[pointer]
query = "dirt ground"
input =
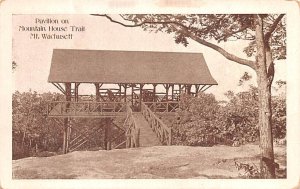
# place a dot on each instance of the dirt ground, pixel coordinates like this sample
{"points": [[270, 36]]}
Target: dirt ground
{"points": [[148, 162]]}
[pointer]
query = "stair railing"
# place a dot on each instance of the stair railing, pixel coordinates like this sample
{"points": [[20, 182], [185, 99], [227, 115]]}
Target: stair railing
{"points": [[163, 132], [133, 131]]}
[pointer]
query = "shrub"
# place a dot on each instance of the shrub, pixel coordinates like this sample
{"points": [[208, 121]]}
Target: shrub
{"points": [[204, 121], [247, 170], [35, 135]]}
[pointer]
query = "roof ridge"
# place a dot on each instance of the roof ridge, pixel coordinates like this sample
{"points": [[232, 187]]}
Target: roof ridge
{"points": [[112, 50]]}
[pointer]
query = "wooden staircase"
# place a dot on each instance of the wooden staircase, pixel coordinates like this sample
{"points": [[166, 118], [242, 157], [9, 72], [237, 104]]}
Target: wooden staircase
{"points": [[147, 136], [141, 129], [82, 137]]}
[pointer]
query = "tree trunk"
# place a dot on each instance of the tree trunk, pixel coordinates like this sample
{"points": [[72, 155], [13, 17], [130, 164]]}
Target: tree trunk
{"points": [[264, 81], [267, 165]]}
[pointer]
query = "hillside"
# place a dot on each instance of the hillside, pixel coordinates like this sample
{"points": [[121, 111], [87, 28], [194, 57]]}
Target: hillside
{"points": [[148, 162]]}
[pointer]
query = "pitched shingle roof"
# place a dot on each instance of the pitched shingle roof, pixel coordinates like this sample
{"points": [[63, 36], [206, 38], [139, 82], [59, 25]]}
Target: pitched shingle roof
{"points": [[105, 66]]}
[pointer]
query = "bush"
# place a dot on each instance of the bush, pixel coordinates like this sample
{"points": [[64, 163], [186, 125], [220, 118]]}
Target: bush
{"points": [[36, 135], [203, 121], [247, 170], [279, 117], [195, 121]]}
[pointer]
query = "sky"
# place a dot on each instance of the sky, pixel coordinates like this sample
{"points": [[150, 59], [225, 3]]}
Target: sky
{"points": [[33, 56]]}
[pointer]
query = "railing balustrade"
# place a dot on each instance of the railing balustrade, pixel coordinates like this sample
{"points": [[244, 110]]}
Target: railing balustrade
{"points": [[163, 132], [133, 131], [162, 107], [67, 108]]}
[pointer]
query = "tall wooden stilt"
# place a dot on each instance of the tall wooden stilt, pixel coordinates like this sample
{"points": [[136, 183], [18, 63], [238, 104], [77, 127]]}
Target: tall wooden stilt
{"points": [[125, 92], [65, 139], [132, 97], [69, 130], [141, 96], [76, 95], [97, 92], [66, 120], [107, 135], [119, 93], [167, 86], [188, 89], [172, 92], [154, 92], [180, 89], [196, 90]]}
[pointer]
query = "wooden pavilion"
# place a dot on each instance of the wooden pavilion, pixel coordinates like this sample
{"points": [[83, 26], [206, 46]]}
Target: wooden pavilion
{"points": [[134, 78]]}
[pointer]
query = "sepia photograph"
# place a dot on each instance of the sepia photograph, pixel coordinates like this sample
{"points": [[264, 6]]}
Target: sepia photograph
{"points": [[149, 104], [150, 97]]}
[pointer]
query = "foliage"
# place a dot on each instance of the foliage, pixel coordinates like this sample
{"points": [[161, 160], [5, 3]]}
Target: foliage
{"points": [[212, 27], [244, 78], [36, 135], [279, 117], [204, 121], [195, 120], [30, 129], [249, 171]]}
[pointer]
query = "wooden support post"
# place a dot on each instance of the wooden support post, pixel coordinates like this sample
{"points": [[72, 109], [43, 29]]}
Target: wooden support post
{"points": [[128, 142], [172, 92], [154, 92], [69, 133], [97, 87], [132, 98], [108, 145], [167, 91], [188, 89], [65, 136], [97, 93], [76, 92], [125, 91], [66, 120], [120, 92], [196, 90], [180, 89], [106, 136], [131, 142], [141, 96]]}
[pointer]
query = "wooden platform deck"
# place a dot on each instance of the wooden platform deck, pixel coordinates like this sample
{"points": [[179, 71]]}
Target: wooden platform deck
{"points": [[102, 109], [86, 109]]}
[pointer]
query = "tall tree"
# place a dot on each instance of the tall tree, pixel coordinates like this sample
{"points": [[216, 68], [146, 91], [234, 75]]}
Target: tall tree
{"points": [[267, 42]]}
